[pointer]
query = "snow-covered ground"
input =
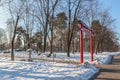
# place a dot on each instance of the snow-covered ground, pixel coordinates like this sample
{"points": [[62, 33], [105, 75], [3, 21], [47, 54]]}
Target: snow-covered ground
{"points": [[43, 70]]}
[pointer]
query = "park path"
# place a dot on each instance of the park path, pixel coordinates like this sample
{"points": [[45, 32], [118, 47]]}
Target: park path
{"points": [[109, 71]]}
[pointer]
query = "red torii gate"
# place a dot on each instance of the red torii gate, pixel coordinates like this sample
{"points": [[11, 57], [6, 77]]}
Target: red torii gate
{"points": [[82, 25]]}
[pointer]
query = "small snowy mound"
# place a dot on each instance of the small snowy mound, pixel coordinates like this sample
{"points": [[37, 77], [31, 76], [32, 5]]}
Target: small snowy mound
{"points": [[90, 71], [103, 59]]}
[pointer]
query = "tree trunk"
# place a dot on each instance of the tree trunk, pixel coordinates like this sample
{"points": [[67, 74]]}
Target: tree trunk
{"points": [[24, 45], [97, 47], [44, 48], [68, 39], [13, 39], [28, 41], [46, 26], [51, 42]]}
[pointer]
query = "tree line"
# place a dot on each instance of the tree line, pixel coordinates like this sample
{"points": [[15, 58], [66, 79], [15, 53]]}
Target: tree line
{"points": [[51, 25]]}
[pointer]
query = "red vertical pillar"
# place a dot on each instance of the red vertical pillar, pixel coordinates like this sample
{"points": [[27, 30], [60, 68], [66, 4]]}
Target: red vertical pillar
{"points": [[81, 44], [91, 46]]}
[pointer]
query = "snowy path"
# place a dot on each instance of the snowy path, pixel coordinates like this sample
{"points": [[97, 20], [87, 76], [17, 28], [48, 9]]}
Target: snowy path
{"points": [[110, 71]]}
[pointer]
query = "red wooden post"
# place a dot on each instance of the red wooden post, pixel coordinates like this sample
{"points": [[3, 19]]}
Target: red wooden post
{"points": [[91, 46], [81, 44]]}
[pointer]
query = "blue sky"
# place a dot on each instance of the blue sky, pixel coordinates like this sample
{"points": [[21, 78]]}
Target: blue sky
{"points": [[3, 17], [114, 9], [112, 5]]}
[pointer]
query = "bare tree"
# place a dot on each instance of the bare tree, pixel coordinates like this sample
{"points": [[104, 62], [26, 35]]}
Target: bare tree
{"points": [[102, 32], [90, 11], [29, 21], [42, 14], [15, 11], [75, 9], [52, 24], [106, 21], [105, 18]]}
